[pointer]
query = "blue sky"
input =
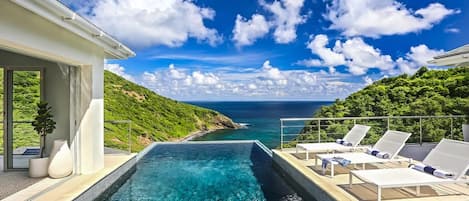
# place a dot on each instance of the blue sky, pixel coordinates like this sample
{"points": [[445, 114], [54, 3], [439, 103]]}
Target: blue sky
{"points": [[274, 50]]}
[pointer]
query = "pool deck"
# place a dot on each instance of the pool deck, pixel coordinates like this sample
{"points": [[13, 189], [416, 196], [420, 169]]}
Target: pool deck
{"points": [[73, 186], [305, 173]]}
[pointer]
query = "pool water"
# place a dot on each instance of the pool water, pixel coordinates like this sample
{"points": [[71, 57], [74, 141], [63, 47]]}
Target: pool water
{"points": [[204, 171]]}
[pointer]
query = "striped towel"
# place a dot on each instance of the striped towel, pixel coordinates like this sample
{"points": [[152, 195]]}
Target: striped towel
{"points": [[430, 170], [377, 153], [342, 161], [343, 142]]}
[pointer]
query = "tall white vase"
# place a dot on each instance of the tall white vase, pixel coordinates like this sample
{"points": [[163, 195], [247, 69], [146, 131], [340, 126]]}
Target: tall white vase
{"points": [[465, 132], [61, 163]]}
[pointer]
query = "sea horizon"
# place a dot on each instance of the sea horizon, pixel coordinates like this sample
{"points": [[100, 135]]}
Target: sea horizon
{"points": [[235, 101], [262, 117]]}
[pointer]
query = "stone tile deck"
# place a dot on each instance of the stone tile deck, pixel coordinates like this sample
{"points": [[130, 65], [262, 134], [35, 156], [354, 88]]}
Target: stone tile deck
{"points": [[71, 187], [337, 187]]}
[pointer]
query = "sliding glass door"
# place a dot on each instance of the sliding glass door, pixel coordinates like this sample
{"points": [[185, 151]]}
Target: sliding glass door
{"points": [[22, 91]]}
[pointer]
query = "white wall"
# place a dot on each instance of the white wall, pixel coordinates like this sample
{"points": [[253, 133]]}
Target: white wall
{"points": [[56, 90], [25, 33]]}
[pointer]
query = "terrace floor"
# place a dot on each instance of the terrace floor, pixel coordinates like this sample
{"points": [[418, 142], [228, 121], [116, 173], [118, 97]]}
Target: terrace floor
{"points": [[56, 189], [339, 189]]}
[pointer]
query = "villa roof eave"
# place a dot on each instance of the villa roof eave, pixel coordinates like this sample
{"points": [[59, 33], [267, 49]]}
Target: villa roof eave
{"points": [[57, 13], [455, 57], [452, 60]]}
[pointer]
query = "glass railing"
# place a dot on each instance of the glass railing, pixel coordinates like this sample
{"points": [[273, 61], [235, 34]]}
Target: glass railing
{"points": [[118, 136], [423, 128]]}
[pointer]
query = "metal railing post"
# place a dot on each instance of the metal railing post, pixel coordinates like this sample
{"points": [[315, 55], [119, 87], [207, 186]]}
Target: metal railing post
{"points": [[388, 123], [319, 131], [130, 137], [451, 127], [420, 124], [281, 134]]}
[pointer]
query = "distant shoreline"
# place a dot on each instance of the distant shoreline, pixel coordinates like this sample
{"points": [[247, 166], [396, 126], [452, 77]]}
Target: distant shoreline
{"points": [[198, 134]]}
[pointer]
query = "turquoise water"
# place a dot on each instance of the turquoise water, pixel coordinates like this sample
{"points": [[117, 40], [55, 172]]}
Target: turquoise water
{"points": [[263, 119], [206, 172]]}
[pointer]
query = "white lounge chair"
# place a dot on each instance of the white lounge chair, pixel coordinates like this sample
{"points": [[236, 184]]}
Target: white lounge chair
{"points": [[391, 142], [354, 136], [448, 155]]}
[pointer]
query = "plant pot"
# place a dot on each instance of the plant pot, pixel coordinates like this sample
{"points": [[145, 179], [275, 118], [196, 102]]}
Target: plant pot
{"points": [[465, 132], [38, 167]]}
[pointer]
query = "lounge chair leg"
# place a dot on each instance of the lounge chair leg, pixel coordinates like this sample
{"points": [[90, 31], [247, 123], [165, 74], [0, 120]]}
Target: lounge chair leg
{"points": [[316, 161], [379, 193], [332, 169], [307, 155], [363, 166], [350, 176], [417, 191]]}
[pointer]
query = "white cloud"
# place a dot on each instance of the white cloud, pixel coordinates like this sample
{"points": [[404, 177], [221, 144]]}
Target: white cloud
{"points": [[118, 70], [309, 62], [416, 58], [175, 74], [353, 53], [265, 82], [246, 32], [361, 56], [329, 57], [204, 78], [374, 18], [452, 30], [145, 23], [368, 80], [271, 72], [287, 16]]}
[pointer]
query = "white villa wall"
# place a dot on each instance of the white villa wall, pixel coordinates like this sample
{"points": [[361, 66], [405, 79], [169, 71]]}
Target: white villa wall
{"points": [[25, 33], [56, 90]]}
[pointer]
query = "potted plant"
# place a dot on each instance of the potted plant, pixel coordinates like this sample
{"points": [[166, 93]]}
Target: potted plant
{"points": [[43, 124]]}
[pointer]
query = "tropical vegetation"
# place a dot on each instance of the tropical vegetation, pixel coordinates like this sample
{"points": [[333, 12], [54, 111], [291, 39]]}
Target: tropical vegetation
{"points": [[426, 93]]}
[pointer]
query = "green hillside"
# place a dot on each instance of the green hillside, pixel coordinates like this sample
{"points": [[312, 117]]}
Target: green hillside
{"points": [[154, 118], [427, 92]]}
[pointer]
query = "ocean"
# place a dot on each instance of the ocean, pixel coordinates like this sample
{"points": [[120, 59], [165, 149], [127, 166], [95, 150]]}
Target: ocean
{"points": [[262, 118]]}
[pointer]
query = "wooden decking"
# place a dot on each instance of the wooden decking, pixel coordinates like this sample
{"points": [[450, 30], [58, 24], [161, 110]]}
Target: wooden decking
{"points": [[337, 188]]}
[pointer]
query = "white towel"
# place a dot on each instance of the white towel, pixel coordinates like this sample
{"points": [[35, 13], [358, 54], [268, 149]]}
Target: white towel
{"points": [[383, 155], [442, 174], [369, 150], [437, 173], [343, 142], [418, 166]]}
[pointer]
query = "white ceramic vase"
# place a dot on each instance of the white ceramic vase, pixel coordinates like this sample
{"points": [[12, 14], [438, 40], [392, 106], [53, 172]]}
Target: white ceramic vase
{"points": [[61, 163], [38, 167], [465, 132]]}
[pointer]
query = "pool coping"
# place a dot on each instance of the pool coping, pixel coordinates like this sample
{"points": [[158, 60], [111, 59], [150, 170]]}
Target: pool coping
{"points": [[142, 153]]}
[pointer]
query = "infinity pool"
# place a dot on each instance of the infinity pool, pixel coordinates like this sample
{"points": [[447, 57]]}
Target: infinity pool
{"points": [[206, 171]]}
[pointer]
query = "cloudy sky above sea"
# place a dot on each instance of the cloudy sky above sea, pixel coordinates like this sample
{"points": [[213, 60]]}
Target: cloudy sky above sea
{"points": [[274, 50]]}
